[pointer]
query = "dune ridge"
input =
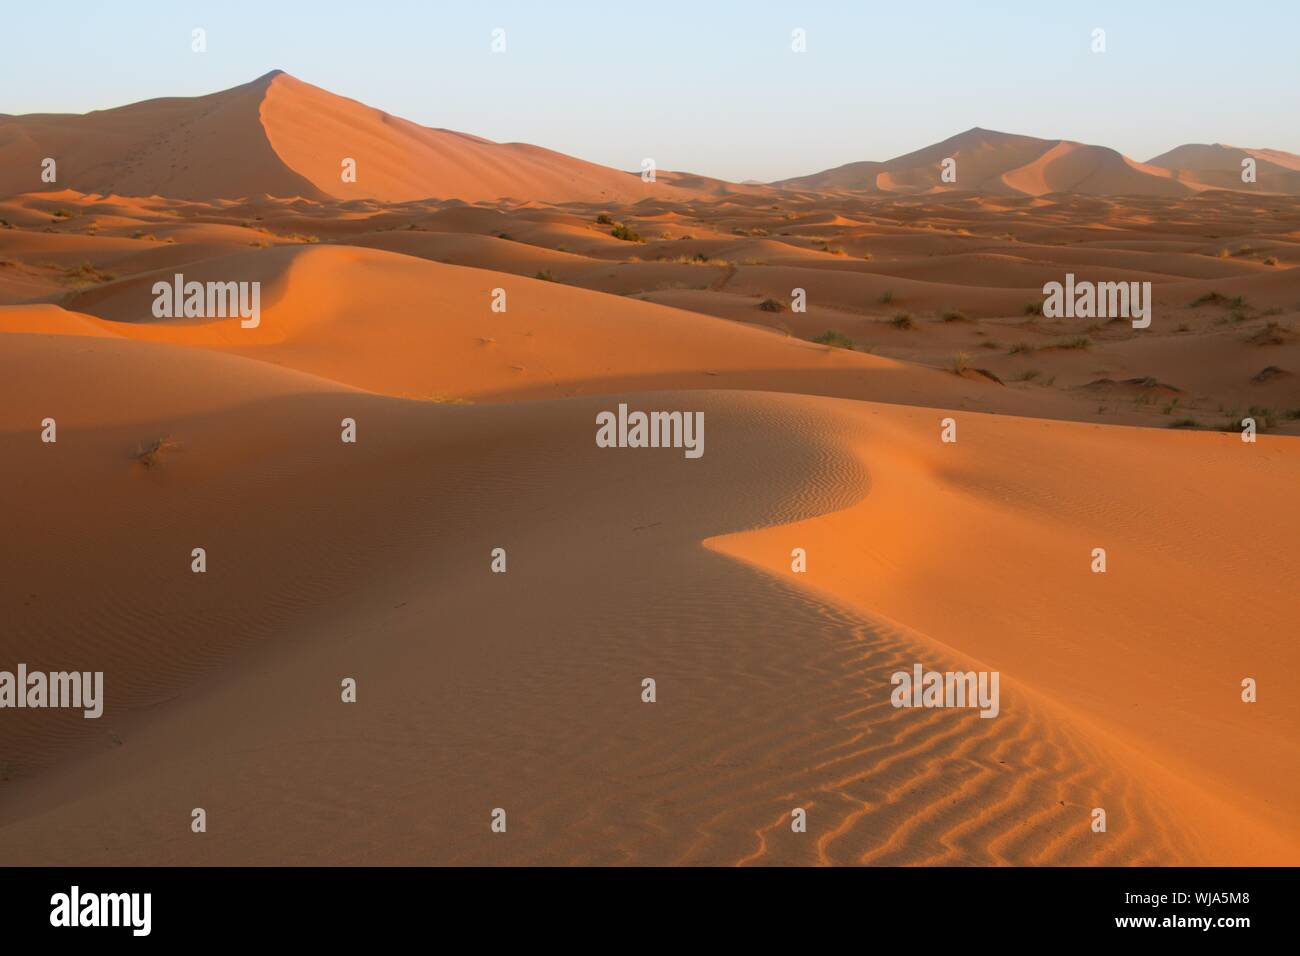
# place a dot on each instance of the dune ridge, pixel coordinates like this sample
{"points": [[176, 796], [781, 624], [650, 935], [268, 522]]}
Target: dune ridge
{"points": [[824, 334]]}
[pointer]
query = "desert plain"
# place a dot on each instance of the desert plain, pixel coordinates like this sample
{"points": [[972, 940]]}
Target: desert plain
{"points": [[478, 690]]}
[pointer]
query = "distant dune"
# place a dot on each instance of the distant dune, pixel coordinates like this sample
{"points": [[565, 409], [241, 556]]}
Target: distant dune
{"points": [[1220, 166], [280, 136], [1003, 163]]}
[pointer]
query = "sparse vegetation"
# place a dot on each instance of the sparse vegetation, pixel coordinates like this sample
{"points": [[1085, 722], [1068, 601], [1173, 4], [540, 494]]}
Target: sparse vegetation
{"points": [[1270, 260], [834, 339], [1028, 375], [141, 234], [604, 220], [953, 315], [61, 214], [771, 305], [87, 273], [1033, 308], [960, 362], [1077, 342], [1020, 348], [147, 453], [627, 235], [300, 237], [902, 321], [1274, 333], [1185, 423], [888, 297]]}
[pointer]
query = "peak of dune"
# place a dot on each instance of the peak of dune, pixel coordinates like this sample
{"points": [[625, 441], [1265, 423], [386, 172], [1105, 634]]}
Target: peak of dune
{"points": [[1220, 166], [994, 162], [280, 136]]}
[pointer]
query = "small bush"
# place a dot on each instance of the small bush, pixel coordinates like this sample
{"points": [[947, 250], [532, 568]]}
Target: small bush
{"points": [[960, 362], [953, 315], [771, 305], [1020, 348], [834, 339], [88, 273], [888, 297], [146, 453], [1033, 308], [1270, 261], [627, 235], [902, 321], [545, 276], [1078, 342], [604, 220]]}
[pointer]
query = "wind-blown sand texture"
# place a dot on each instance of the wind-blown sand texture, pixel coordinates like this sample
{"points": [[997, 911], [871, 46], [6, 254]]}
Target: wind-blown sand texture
{"points": [[475, 431]]}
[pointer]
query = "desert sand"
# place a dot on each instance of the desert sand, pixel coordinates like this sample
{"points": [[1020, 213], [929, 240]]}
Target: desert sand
{"points": [[522, 690]]}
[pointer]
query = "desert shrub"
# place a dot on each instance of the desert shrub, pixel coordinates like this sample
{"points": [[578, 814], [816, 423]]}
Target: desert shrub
{"points": [[834, 339], [1077, 342], [88, 273], [147, 453]]}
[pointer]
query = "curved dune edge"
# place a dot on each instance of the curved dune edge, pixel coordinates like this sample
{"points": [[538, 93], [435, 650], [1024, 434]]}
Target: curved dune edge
{"points": [[225, 688], [984, 547]]}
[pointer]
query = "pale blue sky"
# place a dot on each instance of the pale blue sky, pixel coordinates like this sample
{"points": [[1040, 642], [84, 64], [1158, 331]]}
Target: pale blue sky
{"points": [[710, 87]]}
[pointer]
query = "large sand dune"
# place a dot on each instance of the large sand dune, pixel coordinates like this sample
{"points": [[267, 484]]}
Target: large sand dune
{"points": [[475, 431], [280, 136]]}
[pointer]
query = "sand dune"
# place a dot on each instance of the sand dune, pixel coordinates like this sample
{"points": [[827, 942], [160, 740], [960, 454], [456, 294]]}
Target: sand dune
{"points": [[245, 720], [475, 431], [1221, 166], [993, 163], [280, 136]]}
